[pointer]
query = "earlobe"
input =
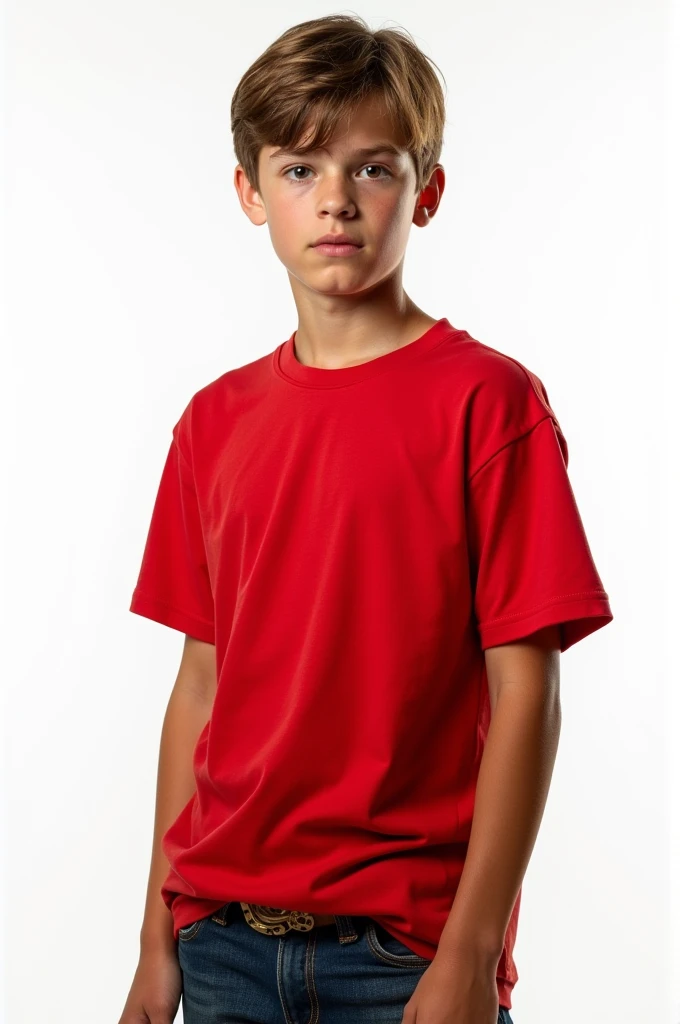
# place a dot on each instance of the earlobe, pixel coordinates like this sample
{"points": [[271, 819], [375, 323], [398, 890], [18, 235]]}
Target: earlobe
{"points": [[430, 197], [250, 200], [421, 214]]}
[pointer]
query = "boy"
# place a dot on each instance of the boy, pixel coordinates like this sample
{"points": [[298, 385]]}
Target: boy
{"points": [[370, 540]]}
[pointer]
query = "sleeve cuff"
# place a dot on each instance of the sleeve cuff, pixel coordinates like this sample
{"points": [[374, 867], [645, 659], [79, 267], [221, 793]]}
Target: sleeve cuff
{"points": [[175, 618], [578, 617]]}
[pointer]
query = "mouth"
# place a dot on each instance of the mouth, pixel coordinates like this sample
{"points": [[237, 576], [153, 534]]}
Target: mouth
{"points": [[337, 248]]}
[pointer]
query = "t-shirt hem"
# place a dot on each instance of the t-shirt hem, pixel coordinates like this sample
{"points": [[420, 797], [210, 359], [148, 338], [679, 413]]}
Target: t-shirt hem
{"points": [[578, 614], [504, 990], [175, 618], [187, 909]]}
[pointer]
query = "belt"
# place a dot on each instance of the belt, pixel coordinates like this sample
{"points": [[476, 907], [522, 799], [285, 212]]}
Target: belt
{"points": [[276, 921]]}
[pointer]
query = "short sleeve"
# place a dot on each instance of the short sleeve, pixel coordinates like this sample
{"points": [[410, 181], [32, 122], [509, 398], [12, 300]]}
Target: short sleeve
{"points": [[531, 563], [173, 585]]}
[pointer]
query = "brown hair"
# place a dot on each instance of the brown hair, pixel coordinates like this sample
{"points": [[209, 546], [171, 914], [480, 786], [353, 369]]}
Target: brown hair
{"points": [[322, 69]]}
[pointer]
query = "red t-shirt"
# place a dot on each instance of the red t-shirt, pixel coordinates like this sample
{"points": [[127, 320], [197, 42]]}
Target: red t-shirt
{"points": [[351, 540]]}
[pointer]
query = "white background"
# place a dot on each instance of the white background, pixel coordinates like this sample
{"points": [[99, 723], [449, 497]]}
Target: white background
{"points": [[133, 278]]}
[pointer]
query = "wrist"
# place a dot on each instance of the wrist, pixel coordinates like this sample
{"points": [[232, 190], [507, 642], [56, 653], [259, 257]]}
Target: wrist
{"points": [[483, 950], [156, 940]]}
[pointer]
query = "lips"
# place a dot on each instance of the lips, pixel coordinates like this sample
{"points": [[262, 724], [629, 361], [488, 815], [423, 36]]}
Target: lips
{"points": [[337, 240], [345, 250]]}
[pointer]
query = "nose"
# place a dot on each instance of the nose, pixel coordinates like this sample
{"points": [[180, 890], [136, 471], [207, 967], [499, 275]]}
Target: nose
{"points": [[336, 198]]}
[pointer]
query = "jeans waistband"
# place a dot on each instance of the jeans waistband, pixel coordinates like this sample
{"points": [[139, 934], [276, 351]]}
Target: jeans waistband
{"points": [[348, 927]]}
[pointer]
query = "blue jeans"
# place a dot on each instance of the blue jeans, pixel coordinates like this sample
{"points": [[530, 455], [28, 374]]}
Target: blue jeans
{"points": [[350, 972]]}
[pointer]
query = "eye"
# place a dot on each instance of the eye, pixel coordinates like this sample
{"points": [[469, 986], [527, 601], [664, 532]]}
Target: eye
{"points": [[378, 167], [302, 167], [298, 167]]}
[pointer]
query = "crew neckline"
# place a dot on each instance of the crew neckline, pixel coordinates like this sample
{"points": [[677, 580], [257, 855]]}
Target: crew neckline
{"points": [[287, 365]]}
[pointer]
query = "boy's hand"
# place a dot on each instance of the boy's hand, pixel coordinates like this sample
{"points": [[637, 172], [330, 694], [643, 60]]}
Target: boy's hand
{"points": [[156, 989], [455, 989]]}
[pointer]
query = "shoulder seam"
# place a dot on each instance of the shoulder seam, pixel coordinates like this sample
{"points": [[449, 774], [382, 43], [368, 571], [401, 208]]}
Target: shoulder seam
{"points": [[182, 455], [533, 379], [548, 416], [184, 418]]}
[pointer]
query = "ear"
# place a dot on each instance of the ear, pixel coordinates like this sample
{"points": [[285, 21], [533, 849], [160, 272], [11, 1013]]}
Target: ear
{"points": [[250, 200], [429, 197]]}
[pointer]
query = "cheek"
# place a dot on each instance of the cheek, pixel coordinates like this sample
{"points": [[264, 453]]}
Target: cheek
{"points": [[392, 218], [285, 234], [392, 213], [285, 219]]}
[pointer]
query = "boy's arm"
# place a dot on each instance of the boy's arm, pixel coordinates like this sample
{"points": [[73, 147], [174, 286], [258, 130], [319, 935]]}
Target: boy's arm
{"points": [[512, 789], [188, 710]]}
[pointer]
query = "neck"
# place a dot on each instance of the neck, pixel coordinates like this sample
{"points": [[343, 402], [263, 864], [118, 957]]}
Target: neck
{"points": [[341, 331]]}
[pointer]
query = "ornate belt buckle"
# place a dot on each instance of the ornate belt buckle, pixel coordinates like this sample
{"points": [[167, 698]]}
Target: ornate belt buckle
{"points": [[276, 920]]}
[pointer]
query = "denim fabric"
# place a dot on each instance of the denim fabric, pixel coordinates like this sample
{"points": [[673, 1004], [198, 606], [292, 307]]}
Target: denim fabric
{"points": [[350, 972]]}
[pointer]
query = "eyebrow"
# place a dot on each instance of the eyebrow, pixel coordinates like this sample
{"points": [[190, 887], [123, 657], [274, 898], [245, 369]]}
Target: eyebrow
{"points": [[383, 147]]}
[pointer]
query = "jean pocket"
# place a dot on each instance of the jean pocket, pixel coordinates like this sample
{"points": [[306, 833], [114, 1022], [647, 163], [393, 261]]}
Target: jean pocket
{"points": [[388, 950], [190, 931]]}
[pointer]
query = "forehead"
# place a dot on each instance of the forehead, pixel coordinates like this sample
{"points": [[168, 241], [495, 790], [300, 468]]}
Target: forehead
{"points": [[375, 149], [369, 131]]}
